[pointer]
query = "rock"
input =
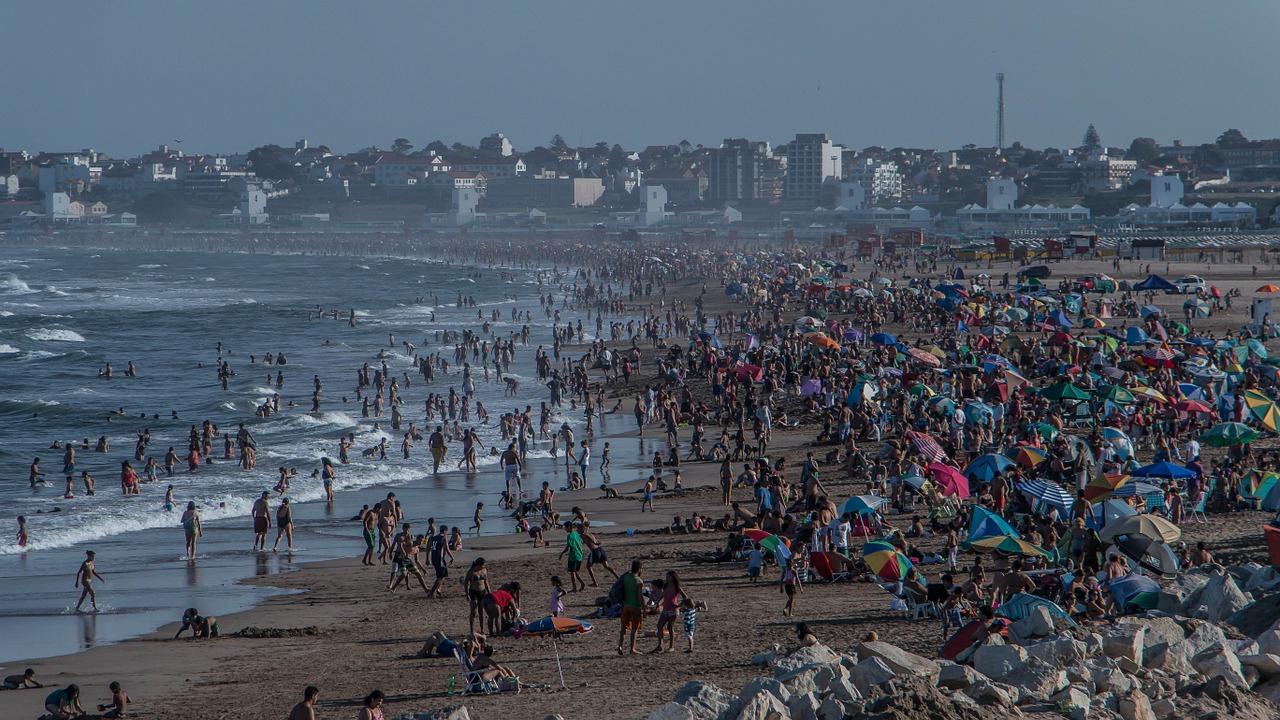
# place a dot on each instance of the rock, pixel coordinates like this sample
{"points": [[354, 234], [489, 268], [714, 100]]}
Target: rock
{"points": [[672, 711], [1160, 630], [704, 700], [1258, 617], [1169, 602], [1205, 635], [767, 657], [831, 709], [898, 660], [1104, 677], [986, 693], [800, 680], [1037, 679], [836, 681], [764, 705], [453, 712], [1135, 706], [997, 661], [1219, 598], [1266, 663], [1174, 658], [1036, 625], [812, 655], [1163, 708], [871, 672], [1059, 651], [1073, 702], [1093, 643], [1127, 641], [769, 685], [804, 707], [1220, 662], [1269, 642], [1269, 690], [957, 677], [1262, 579]]}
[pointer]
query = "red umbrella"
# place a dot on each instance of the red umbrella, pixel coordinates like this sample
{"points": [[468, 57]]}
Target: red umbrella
{"points": [[754, 373], [1060, 338], [926, 445], [951, 480], [1192, 406], [756, 535]]}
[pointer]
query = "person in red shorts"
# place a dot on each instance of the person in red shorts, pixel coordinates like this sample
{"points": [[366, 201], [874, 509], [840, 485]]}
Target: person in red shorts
{"points": [[632, 605]]}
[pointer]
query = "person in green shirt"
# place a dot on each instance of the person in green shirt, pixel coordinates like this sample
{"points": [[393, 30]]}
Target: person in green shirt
{"points": [[573, 548], [632, 605]]}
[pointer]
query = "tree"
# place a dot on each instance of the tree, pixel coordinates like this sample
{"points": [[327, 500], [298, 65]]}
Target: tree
{"points": [[269, 162], [401, 146], [1091, 138], [1232, 138], [617, 158], [1143, 150], [558, 143], [438, 148]]}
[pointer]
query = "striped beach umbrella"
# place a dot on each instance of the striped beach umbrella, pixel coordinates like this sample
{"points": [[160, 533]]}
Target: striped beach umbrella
{"points": [[1102, 486], [1029, 455], [1049, 493], [1228, 434], [1007, 545], [1263, 408], [926, 445], [888, 564]]}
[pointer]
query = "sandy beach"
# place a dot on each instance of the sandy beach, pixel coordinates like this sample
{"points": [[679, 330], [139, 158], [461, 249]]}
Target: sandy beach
{"points": [[341, 630]]}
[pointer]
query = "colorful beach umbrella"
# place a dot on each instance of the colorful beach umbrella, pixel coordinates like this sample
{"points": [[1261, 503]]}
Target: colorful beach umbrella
{"points": [[986, 467], [1100, 487], [863, 504], [951, 480], [1116, 394], [925, 357], [1029, 455], [1146, 524], [1007, 545], [888, 564], [1263, 408]]}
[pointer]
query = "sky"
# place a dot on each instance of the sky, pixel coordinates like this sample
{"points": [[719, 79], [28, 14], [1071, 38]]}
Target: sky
{"points": [[225, 76]]}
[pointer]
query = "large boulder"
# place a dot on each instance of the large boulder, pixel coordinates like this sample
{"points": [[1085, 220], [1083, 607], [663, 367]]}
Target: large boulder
{"points": [[1160, 630], [1269, 690], [988, 693], [1219, 598], [1268, 665], [764, 705], [831, 709], [1059, 651], [1125, 641], [804, 707], [1258, 617], [1106, 677], [762, 684], [818, 654], [1171, 658], [835, 681], [871, 672], [1220, 662], [1135, 706], [704, 700], [672, 711], [997, 661], [1072, 701], [1204, 635], [898, 660], [1037, 679], [1038, 624], [957, 677]]}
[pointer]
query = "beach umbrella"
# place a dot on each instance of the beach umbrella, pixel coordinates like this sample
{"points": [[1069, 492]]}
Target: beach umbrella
{"points": [[967, 636], [862, 293], [951, 480], [1129, 589], [1007, 545], [1116, 394], [924, 356], [1262, 408], [926, 445], [984, 523], [1093, 322], [1191, 406], [1063, 391], [1147, 311], [1152, 526], [1049, 493], [1158, 357], [1228, 434], [1136, 488], [1260, 484], [550, 625], [986, 467], [1015, 314], [755, 535], [775, 545], [1148, 553], [941, 404], [888, 564], [862, 504], [1029, 455], [811, 387], [1045, 430], [1014, 378], [976, 413], [883, 338], [1268, 288], [1257, 348], [1104, 485], [1149, 393], [1021, 605], [1135, 336], [1108, 512], [1198, 307], [920, 389], [821, 340], [1164, 469]]}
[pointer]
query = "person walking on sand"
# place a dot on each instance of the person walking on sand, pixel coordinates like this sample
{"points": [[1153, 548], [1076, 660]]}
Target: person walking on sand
{"points": [[261, 521], [85, 577], [669, 606], [790, 585], [191, 528], [441, 556], [306, 710], [369, 523], [632, 606], [573, 548]]}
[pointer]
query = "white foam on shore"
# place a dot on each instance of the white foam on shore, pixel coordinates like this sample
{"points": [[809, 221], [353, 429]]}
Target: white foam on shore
{"points": [[14, 285], [7, 349], [54, 335]]}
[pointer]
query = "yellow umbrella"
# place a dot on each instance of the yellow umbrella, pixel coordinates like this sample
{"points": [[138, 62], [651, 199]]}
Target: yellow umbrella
{"points": [[1149, 392], [1007, 545], [1263, 408]]}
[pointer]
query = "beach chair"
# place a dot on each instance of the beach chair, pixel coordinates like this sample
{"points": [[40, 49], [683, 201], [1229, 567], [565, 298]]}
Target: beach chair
{"points": [[473, 682], [1197, 510], [919, 609], [824, 569]]}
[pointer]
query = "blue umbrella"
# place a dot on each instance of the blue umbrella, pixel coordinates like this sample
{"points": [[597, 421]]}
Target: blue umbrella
{"points": [[985, 523], [1147, 311], [863, 504], [976, 412], [1110, 511], [1022, 604], [882, 338], [733, 288], [1164, 469], [986, 467], [1135, 336], [1060, 319], [709, 338], [1124, 588], [1048, 493]]}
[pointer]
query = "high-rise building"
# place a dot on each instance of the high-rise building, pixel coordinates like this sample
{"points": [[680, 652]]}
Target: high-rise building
{"points": [[811, 159], [883, 181], [734, 170]]}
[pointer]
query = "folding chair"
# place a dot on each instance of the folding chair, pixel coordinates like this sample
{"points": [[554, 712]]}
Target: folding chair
{"points": [[473, 682]]}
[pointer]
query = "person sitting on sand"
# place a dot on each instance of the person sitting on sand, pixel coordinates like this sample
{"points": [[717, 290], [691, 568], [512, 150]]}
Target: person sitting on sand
{"points": [[202, 628], [489, 669], [64, 704], [21, 682], [119, 705]]}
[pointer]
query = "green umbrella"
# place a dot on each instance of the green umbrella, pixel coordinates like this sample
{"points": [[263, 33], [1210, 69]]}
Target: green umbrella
{"points": [[1064, 391], [1116, 394], [1047, 431], [1229, 433]]}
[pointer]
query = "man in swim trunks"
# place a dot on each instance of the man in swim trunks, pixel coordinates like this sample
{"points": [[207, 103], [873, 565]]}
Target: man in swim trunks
{"points": [[369, 520], [573, 548], [261, 521], [85, 577], [632, 605], [437, 445], [511, 467], [440, 555]]}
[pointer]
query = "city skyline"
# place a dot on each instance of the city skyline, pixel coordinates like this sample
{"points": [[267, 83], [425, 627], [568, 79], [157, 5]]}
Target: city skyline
{"points": [[254, 74]]}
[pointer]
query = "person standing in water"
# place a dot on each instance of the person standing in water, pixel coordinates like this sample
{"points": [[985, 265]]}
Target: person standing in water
{"points": [[84, 578], [284, 523], [261, 521], [191, 527]]}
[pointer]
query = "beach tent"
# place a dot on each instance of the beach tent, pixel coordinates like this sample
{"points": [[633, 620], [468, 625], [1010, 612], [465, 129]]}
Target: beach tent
{"points": [[1272, 500], [1155, 282], [1135, 336], [1129, 587], [1110, 512], [1164, 469], [1023, 604], [985, 523]]}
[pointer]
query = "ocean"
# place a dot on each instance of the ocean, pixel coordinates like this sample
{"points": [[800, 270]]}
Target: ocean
{"points": [[67, 312]]}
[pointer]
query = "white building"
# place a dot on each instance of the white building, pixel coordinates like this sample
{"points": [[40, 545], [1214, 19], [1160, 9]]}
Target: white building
{"points": [[851, 195], [882, 180], [1167, 208], [812, 160], [58, 206], [653, 209], [1002, 210], [8, 185], [1166, 190], [1002, 193], [253, 206]]}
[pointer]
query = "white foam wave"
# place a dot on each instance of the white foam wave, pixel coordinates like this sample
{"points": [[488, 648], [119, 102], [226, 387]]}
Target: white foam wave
{"points": [[150, 266], [14, 285], [7, 349], [54, 335], [6, 313]]}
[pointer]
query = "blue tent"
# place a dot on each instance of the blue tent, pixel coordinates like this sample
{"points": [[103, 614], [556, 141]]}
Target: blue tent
{"points": [[1135, 336], [1155, 282], [985, 523], [1125, 588], [1163, 469], [1110, 511], [1060, 319], [984, 468], [1021, 605], [709, 338]]}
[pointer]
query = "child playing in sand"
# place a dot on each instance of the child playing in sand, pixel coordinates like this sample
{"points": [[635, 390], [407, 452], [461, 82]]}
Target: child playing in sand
{"points": [[119, 702], [475, 519], [648, 495], [689, 616], [755, 563]]}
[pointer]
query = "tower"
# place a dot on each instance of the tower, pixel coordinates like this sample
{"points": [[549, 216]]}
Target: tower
{"points": [[1000, 111]]}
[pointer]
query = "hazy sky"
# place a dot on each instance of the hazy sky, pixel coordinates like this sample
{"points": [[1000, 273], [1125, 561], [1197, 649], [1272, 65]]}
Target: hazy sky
{"points": [[226, 75]]}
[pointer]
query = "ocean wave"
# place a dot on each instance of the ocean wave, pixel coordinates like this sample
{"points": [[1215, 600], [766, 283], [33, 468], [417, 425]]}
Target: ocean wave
{"points": [[150, 266], [6, 313], [7, 349], [54, 335], [14, 285]]}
